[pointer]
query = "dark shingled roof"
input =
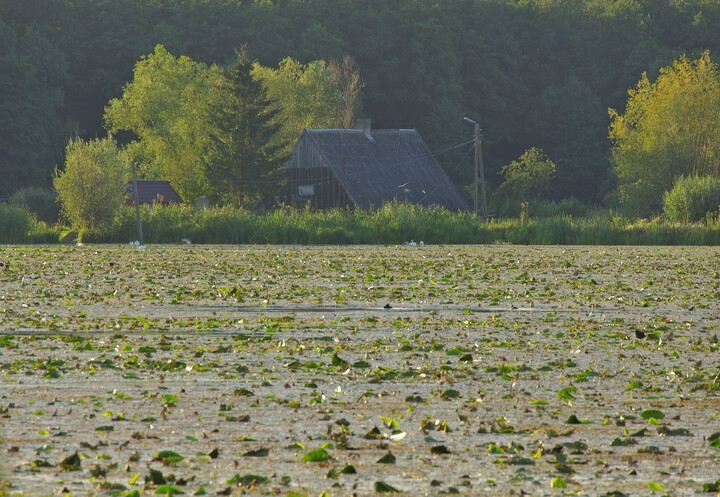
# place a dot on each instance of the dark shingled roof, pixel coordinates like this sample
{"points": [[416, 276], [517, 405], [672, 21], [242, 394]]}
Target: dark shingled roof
{"points": [[379, 166], [154, 191]]}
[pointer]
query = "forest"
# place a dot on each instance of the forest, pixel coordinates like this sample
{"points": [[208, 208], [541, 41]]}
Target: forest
{"points": [[533, 73]]}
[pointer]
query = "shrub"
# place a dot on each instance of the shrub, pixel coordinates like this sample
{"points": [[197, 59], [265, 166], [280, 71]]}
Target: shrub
{"points": [[92, 186], [692, 198], [15, 223]]}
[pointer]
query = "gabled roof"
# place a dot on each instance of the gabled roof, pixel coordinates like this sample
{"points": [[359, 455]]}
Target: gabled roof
{"points": [[378, 166], [154, 191]]}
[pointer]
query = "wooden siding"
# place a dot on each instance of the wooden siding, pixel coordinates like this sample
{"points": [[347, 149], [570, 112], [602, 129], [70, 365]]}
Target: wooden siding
{"points": [[367, 169]]}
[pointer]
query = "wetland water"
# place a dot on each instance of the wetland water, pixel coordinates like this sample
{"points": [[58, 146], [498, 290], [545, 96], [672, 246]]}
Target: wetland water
{"points": [[280, 370]]}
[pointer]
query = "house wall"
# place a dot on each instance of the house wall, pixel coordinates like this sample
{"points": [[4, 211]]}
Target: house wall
{"points": [[308, 168], [327, 191]]}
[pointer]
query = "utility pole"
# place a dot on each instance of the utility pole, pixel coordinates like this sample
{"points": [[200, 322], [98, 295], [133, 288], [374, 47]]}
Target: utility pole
{"points": [[478, 169], [137, 204]]}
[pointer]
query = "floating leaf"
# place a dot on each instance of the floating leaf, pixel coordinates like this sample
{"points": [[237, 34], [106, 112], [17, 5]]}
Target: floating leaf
{"points": [[620, 442], [566, 393], [156, 477], [349, 469], [678, 432], [387, 459], [257, 453], [382, 487], [71, 463], [167, 457], [168, 490], [439, 450], [248, 480], [450, 394], [573, 420], [318, 455], [374, 434], [558, 483], [652, 413]]}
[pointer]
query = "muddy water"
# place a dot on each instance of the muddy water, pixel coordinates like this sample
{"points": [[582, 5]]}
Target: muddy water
{"points": [[493, 370]]}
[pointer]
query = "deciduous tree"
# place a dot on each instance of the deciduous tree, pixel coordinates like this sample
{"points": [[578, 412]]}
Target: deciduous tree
{"points": [[670, 128], [164, 106], [91, 188]]}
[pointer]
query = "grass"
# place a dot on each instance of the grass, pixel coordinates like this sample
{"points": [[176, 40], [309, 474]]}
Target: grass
{"points": [[391, 224]]}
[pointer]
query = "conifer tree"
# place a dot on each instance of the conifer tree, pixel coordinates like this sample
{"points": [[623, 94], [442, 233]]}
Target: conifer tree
{"points": [[243, 160]]}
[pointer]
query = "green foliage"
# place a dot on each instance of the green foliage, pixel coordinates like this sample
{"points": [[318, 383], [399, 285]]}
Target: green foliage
{"points": [[395, 224], [243, 160], [91, 188], [670, 128], [165, 107], [303, 96], [691, 199], [33, 74], [15, 223], [531, 71], [41, 202], [527, 179]]}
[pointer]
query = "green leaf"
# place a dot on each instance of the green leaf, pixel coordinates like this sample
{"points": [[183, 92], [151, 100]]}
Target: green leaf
{"points": [[156, 477], [387, 459], [652, 413], [450, 394], [168, 490], [558, 483], [538, 403], [573, 420], [257, 453], [621, 442], [566, 393], [634, 384], [318, 455], [71, 463], [248, 480], [167, 457], [655, 487], [349, 469], [382, 487], [390, 422]]}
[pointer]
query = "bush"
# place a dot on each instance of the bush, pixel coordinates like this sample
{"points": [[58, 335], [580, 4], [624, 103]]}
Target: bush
{"points": [[92, 186], [15, 223], [691, 199]]}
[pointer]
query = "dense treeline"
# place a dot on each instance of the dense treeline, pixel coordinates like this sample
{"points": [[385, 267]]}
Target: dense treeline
{"points": [[535, 73]]}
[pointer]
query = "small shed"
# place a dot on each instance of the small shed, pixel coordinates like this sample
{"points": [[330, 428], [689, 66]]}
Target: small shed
{"points": [[154, 191], [365, 168]]}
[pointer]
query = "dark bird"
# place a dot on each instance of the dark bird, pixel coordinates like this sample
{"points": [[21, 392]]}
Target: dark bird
{"points": [[388, 306], [639, 334]]}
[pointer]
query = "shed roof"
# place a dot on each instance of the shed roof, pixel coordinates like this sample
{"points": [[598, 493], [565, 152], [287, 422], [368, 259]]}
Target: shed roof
{"points": [[154, 191], [379, 166]]}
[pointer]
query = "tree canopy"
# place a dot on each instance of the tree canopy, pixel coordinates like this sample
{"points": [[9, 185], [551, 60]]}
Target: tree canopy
{"points": [[243, 158], [670, 128], [532, 72], [165, 106]]}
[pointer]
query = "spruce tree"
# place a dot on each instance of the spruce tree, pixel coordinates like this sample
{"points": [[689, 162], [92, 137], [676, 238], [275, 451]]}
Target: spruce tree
{"points": [[243, 158]]}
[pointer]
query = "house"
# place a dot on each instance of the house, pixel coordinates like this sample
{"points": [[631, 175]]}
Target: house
{"points": [[365, 168], [154, 191]]}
